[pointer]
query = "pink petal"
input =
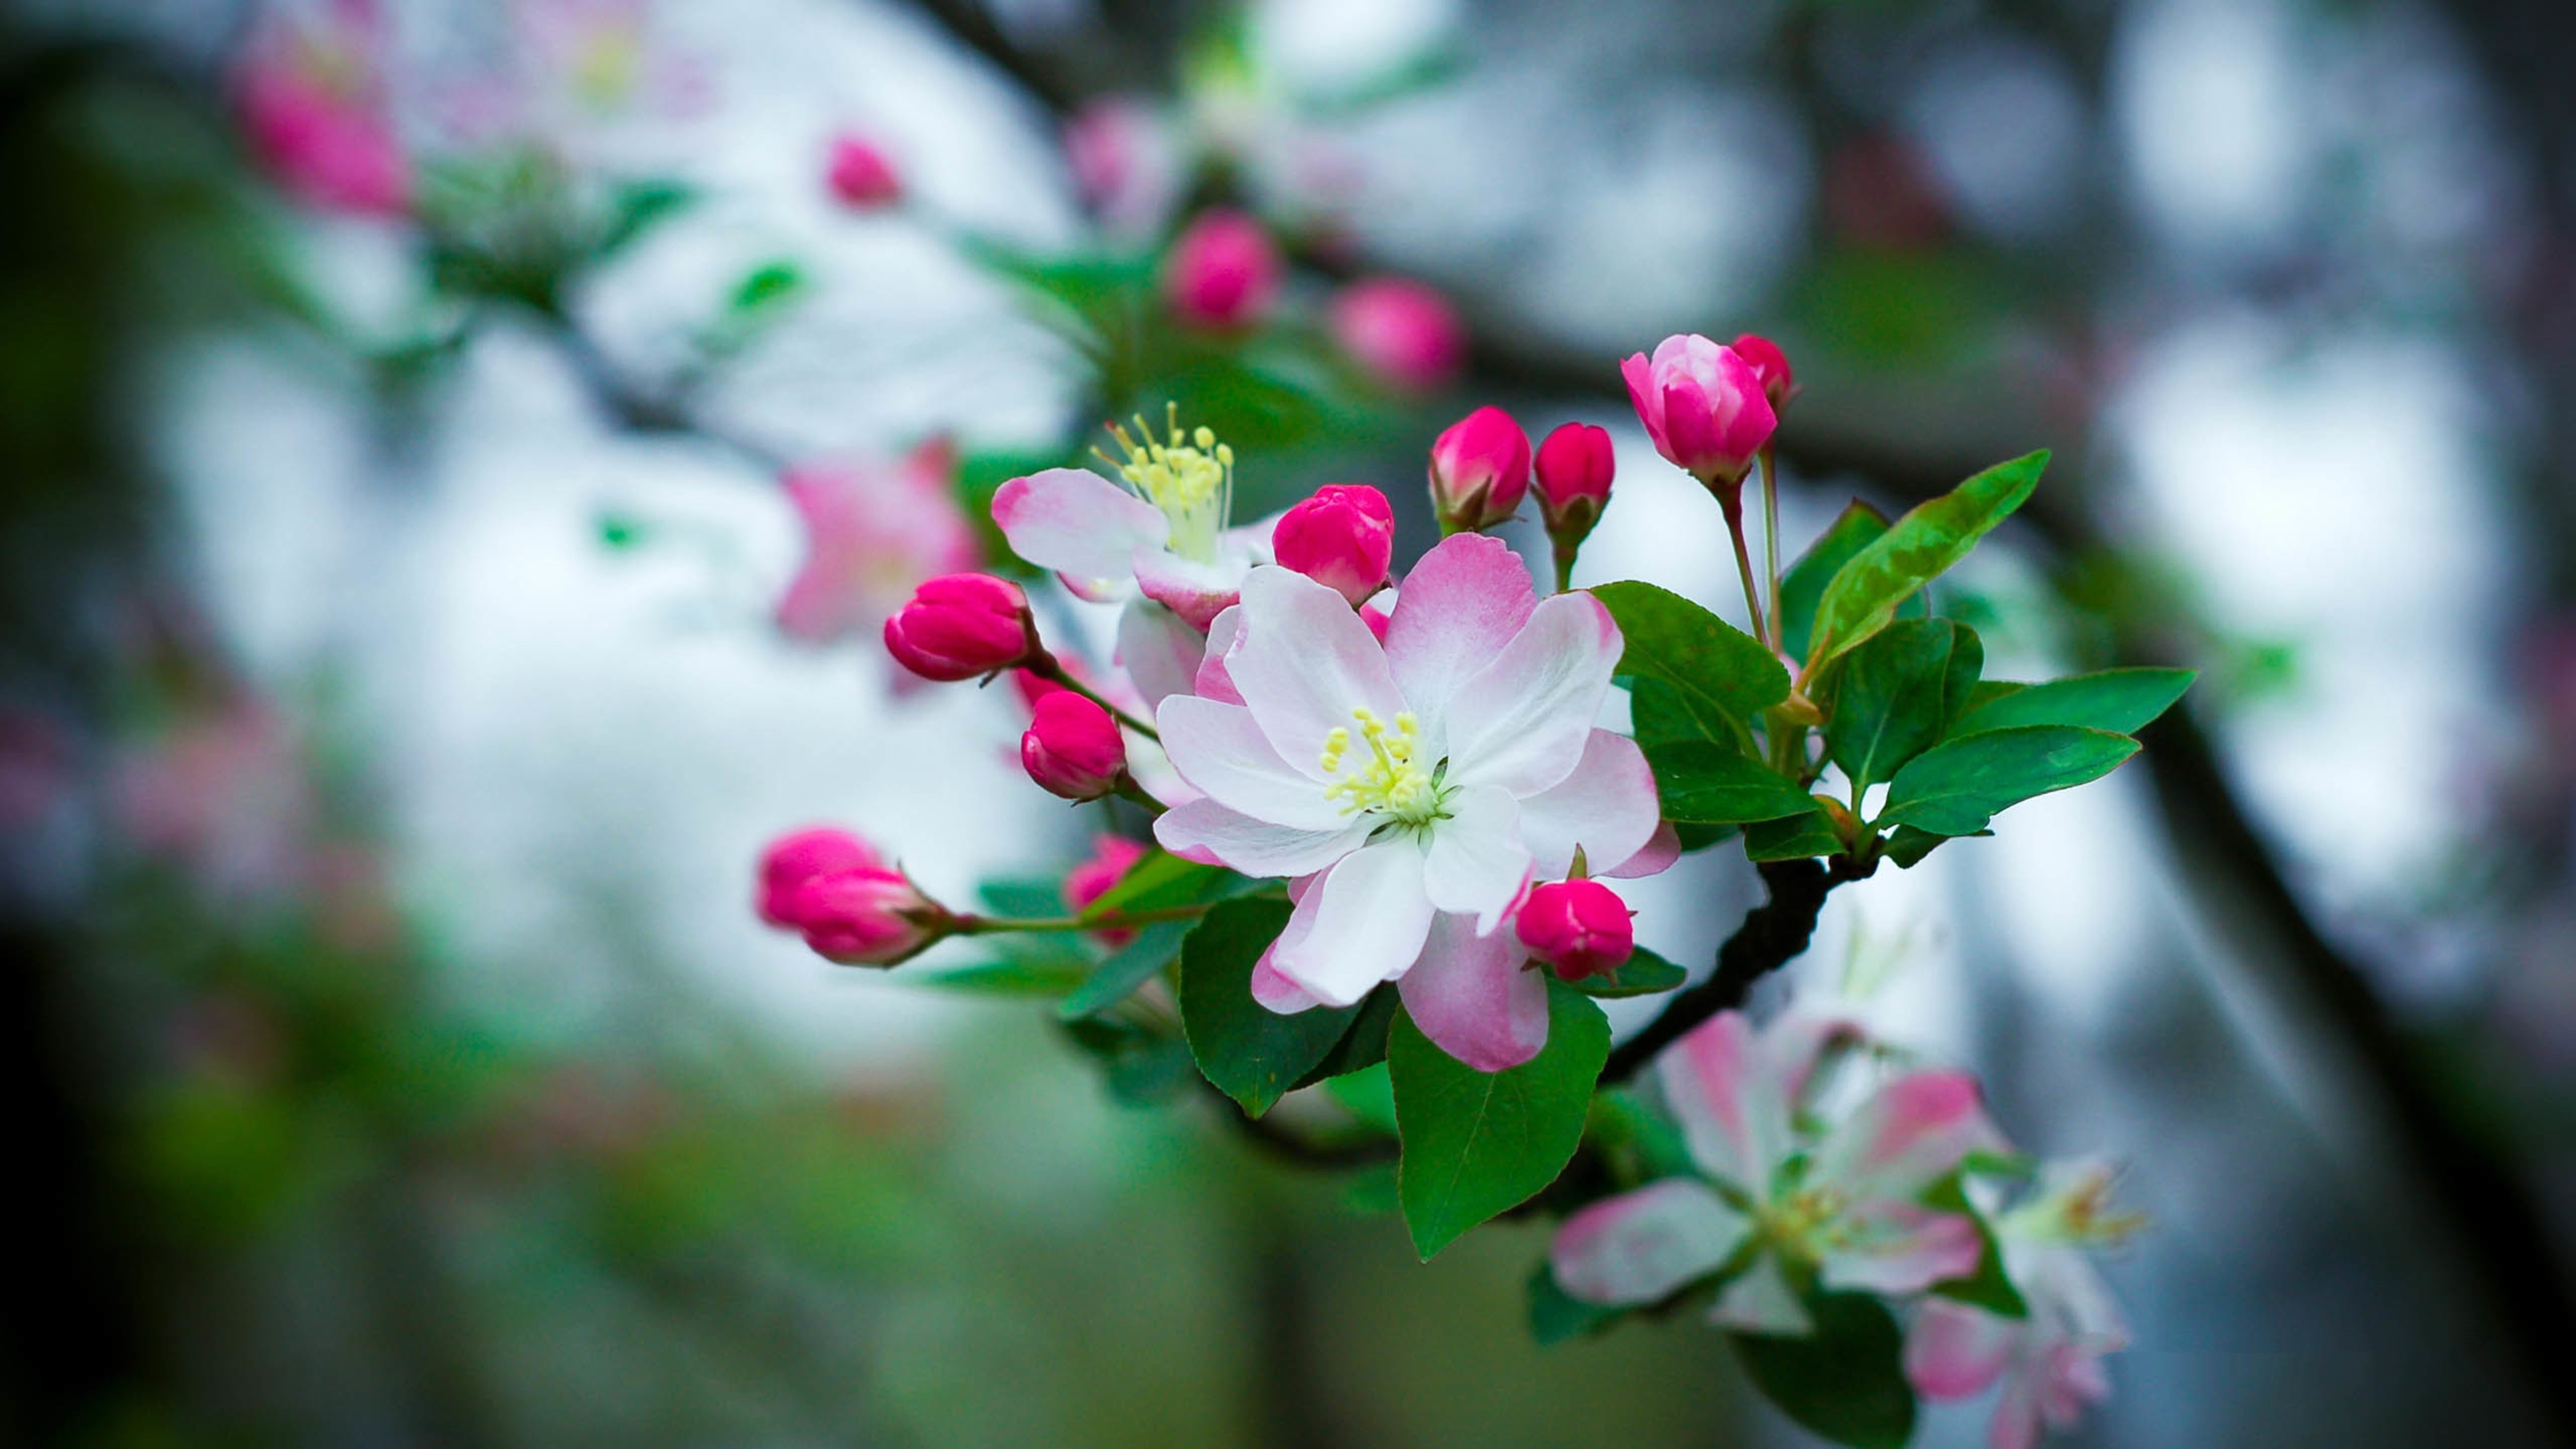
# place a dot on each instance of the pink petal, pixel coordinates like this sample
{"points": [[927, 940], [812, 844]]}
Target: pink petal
{"points": [[1475, 864], [1656, 856], [1898, 1247], [1221, 750], [1607, 806], [1212, 681], [1640, 1246], [1461, 604], [1639, 375], [1523, 720], [1363, 923], [2015, 1424], [1304, 663], [1078, 523], [1721, 1085], [1196, 591], [1472, 997], [1159, 650], [1277, 992], [1953, 1351], [1759, 1301], [1204, 830], [1908, 1134]]}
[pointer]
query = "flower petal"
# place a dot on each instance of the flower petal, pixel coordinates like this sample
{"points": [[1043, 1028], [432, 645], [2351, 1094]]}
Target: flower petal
{"points": [[1222, 751], [1953, 1351], [1277, 992], [1196, 591], [1890, 1246], [1909, 1133], [1721, 1085], [1159, 650], [1475, 863], [1363, 923], [1213, 682], [1459, 606], [1078, 523], [1652, 858], [1607, 806], [1203, 830], [1760, 1301], [1522, 721], [1472, 997], [1640, 1246], [1304, 663]]}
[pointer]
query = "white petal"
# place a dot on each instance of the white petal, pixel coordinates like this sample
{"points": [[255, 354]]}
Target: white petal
{"points": [[1607, 806], [1474, 996], [1159, 650], [1459, 606], [1304, 663], [1078, 523], [1205, 830], [1475, 864], [1722, 1086], [1196, 591], [1213, 682], [1218, 748], [1363, 923], [1760, 1302], [1640, 1246], [1522, 721]]}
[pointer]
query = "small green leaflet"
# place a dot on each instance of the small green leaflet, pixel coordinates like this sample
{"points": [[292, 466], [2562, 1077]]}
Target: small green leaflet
{"points": [[1955, 787], [1794, 837], [1251, 1053], [1715, 667], [1707, 784], [1158, 879], [1867, 590], [1895, 695], [1127, 968], [1804, 582], [1846, 1382], [2119, 700], [1643, 974]]}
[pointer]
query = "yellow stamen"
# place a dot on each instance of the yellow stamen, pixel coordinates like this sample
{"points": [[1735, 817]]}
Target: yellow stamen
{"points": [[1394, 780], [1189, 476]]}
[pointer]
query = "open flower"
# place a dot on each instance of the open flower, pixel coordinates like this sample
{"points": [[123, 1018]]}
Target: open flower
{"points": [[2050, 1362], [1842, 1211], [1411, 788], [872, 534]]}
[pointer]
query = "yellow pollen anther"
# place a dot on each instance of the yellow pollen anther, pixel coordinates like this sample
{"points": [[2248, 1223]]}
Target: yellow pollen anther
{"points": [[1393, 780], [1189, 476]]}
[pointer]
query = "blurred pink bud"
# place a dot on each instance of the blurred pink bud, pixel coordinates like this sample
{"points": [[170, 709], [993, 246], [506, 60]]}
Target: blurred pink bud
{"points": [[1578, 927], [1574, 468], [872, 533], [1342, 538], [1073, 748], [861, 175], [1404, 333], [1112, 856], [795, 858], [1771, 365], [1480, 468], [1222, 272], [1125, 162], [867, 916], [959, 626], [328, 144], [1704, 407]]}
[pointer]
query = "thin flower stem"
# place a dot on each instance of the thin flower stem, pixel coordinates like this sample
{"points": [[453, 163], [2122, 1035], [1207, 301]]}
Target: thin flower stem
{"points": [[1045, 667], [1771, 545], [1733, 506], [1113, 921], [1564, 566]]}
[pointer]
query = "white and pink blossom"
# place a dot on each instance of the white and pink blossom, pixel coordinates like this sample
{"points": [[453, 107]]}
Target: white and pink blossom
{"points": [[872, 534]]}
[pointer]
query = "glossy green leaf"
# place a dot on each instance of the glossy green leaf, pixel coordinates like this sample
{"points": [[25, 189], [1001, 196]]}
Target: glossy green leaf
{"points": [[1955, 787], [1130, 966], [1367, 1095], [1803, 583], [1708, 784], [1643, 974], [1866, 591], [1478, 1143], [2119, 700], [1364, 1045], [1846, 1382], [1716, 668], [1660, 714], [1908, 846], [1893, 695], [1037, 976], [1251, 1053], [1556, 1315], [1794, 837]]}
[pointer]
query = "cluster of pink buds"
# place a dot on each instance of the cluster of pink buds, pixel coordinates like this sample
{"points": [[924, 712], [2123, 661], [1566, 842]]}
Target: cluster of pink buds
{"points": [[833, 888]]}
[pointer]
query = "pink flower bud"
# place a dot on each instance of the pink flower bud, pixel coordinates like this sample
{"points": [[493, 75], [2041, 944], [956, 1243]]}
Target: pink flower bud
{"points": [[861, 176], [1073, 748], [867, 917], [1342, 538], [312, 116], [793, 859], [959, 626], [1222, 272], [1771, 365], [1480, 468], [1403, 333], [1578, 927], [1112, 856], [1704, 407], [1574, 469]]}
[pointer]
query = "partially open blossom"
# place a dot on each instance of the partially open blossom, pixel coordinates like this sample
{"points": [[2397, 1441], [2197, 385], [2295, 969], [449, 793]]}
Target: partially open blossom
{"points": [[1405, 334], [1704, 407], [1771, 365], [1579, 927], [1480, 468], [1073, 748], [867, 916], [312, 107], [872, 534], [1410, 789], [1342, 538], [861, 175], [2050, 1361], [1222, 271], [959, 626], [1845, 1206], [1573, 470], [795, 858]]}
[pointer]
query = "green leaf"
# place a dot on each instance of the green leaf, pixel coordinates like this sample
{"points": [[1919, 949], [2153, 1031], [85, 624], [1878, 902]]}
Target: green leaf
{"points": [[2119, 700], [1866, 591], [1908, 845], [1895, 694], [636, 209], [1955, 787], [1847, 1381], [1035, 976], [1142, 1067], [1989, 1287], [1643, 974], [1367, 1095], [1708, 784], [1251, 1053], [1638, 1143], [1021, 896], [1718, 670], [1158, 880], [1361, 1047], [1556, 1315], [1660, 715], [1478, 1143], [1127, 968], [1803, 584], [1796, 837]]}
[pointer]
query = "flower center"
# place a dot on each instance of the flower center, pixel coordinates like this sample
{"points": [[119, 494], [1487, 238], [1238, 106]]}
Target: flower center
{"points": [[1392, 780], [1189, 477], [1794, 1222]]}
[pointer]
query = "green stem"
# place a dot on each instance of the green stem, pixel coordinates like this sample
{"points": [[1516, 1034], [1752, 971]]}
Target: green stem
{"points": [[1732, 504], [1044, 666], [1771, 545], [1114, 921], [1564, 566]]}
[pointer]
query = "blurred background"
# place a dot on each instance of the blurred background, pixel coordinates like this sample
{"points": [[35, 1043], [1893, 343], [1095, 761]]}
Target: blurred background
{"points": [[416, 419]]}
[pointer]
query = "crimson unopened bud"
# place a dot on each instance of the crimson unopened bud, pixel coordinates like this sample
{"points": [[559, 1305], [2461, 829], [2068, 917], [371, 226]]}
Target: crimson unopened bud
{"points": [[1574, 469], [1222, 272], [868, 917], [1771, 365], [792, 860], [1072, 747], [1580, 928], [1342, 538], [1705, 408], [959, 626], [1480, 468], [861, 176]]}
